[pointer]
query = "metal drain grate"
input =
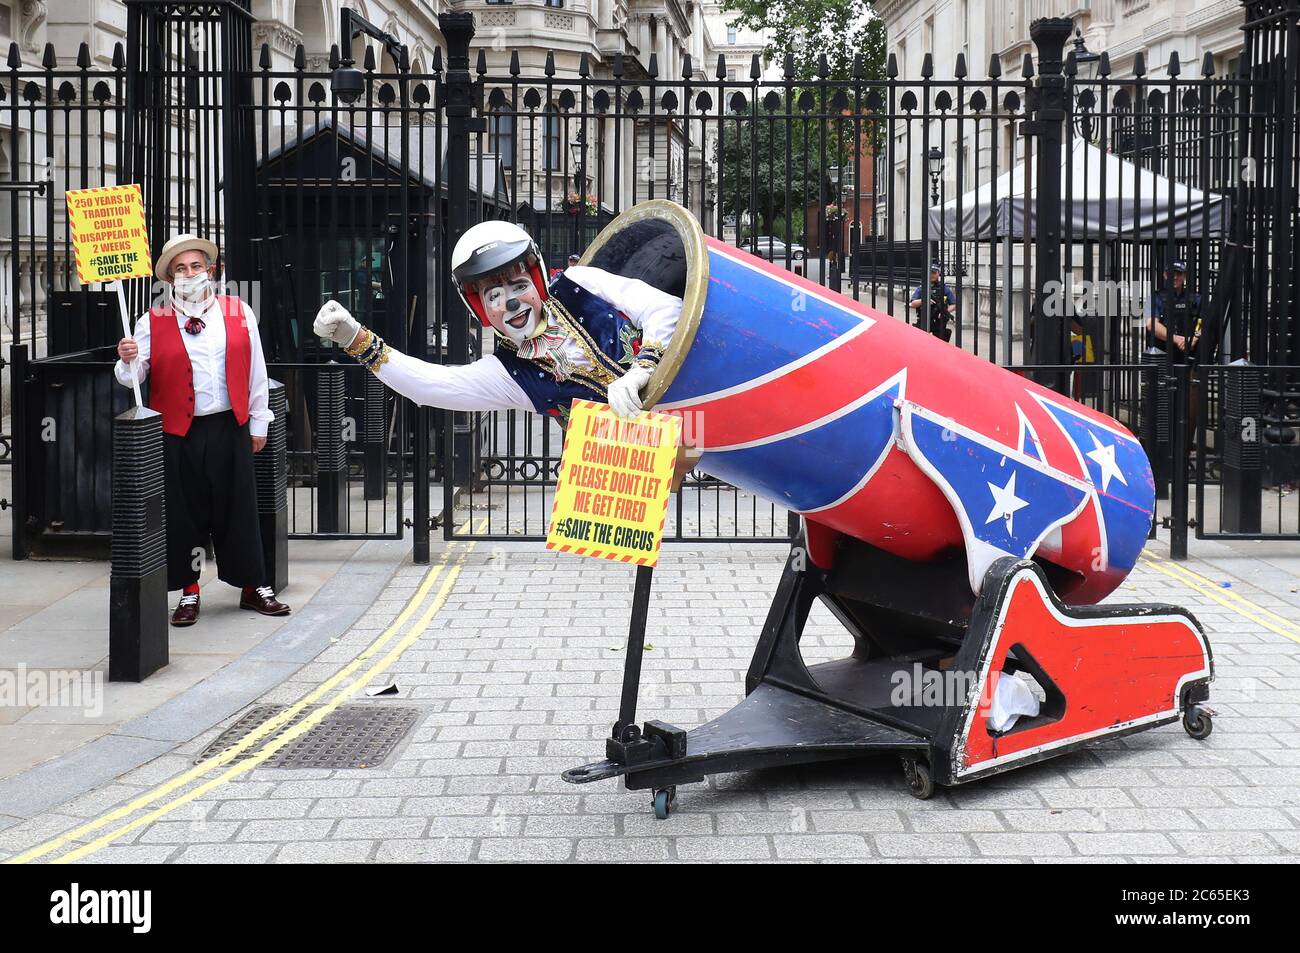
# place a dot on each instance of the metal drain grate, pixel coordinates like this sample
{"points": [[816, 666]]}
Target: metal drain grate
{"points": [[355, 736]]}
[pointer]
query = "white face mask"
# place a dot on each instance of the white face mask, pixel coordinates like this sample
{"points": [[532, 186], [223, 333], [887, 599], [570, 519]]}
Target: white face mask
{"points": [[193, 288]]}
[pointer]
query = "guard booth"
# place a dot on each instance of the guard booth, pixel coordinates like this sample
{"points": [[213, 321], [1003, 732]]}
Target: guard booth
{"points": [[331, 199]]}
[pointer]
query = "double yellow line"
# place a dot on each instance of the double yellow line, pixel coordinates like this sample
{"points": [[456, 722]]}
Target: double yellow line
{"points": [[452, 570], [1225, 597]]}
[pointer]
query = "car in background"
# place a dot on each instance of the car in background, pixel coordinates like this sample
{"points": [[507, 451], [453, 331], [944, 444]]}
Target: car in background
{"points": [[773, 249]]}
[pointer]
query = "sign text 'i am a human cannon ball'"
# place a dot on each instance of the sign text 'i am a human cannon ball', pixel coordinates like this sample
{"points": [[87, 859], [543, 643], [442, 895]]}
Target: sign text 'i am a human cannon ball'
{"points": [[108, 233], [615, 477]]}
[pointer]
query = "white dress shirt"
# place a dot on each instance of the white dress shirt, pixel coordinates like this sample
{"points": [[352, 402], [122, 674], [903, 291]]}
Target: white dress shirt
{"points": [[207, 351], [485, 384]]}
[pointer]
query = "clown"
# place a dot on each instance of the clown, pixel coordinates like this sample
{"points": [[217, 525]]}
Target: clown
{"points": [[589, 334]]}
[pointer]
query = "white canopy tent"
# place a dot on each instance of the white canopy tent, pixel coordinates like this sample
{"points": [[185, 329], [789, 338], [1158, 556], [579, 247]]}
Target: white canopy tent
{"points": [[1103, 197]]}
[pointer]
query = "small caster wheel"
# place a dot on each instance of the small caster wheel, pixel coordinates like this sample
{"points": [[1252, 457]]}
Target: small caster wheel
{"points": [[919, 780], [665, 801], [1198, 722]]}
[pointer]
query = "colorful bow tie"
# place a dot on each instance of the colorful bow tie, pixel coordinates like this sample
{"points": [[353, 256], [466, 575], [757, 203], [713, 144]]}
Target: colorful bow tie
{"points": [[194, 325], [549, 346]]}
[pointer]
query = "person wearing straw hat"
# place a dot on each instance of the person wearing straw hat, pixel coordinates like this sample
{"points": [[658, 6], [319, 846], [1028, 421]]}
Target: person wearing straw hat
{"points": [[203, 355]]}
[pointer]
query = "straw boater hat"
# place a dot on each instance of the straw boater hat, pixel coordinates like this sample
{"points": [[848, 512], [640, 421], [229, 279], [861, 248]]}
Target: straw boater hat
{"points": [[162, 265]]}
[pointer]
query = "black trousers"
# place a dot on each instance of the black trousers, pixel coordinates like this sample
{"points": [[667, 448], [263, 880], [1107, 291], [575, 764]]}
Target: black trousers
{"points": [[212, 494]]}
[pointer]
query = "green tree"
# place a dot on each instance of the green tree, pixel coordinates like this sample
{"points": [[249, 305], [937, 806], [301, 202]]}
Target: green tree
{"points": [[807, 29]]}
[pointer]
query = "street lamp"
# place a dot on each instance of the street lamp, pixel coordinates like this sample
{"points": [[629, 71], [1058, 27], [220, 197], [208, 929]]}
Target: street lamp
{"points": [[346, 81], [578, 150], [934, 162], [1086, 63]]}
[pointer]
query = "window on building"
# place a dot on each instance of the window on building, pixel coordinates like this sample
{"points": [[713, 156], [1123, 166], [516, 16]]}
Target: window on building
{"points": [[501, 136], [551, 140], [555, 3], [731, 34], [6, 20]]}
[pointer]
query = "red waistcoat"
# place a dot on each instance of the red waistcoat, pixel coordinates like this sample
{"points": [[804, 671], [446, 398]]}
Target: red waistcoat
{"points": [[171, 376]]}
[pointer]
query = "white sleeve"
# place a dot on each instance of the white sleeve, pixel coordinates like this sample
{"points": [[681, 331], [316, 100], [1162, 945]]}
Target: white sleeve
{"points": [[655, 312], [484, 384], [121, 369], [259, 407]]}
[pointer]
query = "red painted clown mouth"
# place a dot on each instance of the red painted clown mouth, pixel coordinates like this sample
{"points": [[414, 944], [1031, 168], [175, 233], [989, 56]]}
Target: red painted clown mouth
{"points": [[521, 322]]}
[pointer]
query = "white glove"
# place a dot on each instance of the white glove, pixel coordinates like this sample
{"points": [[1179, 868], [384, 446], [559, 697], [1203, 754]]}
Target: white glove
{"points": [[625, 393], [335, 323]]}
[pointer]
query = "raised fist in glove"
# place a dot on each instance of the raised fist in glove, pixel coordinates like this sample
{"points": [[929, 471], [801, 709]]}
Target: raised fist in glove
{"points": [[625, 393], [335, 323]]}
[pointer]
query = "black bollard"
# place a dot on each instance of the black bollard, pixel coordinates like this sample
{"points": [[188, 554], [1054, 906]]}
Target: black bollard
{"points": [[137, 610], [374, 434], [1243, 458], [272, 485], [1155, 419], [331, 451]]}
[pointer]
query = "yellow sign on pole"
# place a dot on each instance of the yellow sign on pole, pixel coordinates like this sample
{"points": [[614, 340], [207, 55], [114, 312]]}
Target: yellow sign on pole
{"points": [[108, 233], [615, 477]]}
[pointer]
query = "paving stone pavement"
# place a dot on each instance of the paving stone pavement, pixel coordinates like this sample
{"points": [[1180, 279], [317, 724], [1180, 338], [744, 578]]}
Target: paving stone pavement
{"points": [[517, 677]]}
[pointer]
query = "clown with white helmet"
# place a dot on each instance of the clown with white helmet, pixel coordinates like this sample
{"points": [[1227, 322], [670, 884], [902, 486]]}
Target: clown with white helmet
{"points": [[589, 334]]}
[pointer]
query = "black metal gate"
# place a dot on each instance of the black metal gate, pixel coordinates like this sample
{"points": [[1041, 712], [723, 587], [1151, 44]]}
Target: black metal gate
{"points": [[352, 182]]}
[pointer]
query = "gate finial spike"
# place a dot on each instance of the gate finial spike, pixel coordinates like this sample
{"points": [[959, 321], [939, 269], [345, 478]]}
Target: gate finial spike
{"points": [[787, 67], [1027, 67], [1071, 67], [755, 68], [369, 63], [891, 66], [618, 65], [959, 70], [300, 58], [927, 66], [1175, 65], [49, 60], [514, 63], [653, 67], [1139, 64], [859, 71], [549, 69], [1207, 64], [83, 56], [1103, 65], [334, 56], [437, 59], [15, 61], [480, 62], [403, 59], [584, 68], [720, 72], [264, 58], [687, 71], [823, 67], [995, 66], [119, 57]]}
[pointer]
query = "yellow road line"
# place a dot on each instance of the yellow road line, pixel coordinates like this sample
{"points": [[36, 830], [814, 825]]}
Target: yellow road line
{"points": [[1232, 594], [252, 739], [1207, 588], [258, 757]]}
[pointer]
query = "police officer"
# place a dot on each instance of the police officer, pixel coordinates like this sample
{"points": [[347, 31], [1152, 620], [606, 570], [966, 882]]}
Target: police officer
{"points": [[1176, 316], [1176, 321], [941, 301]]}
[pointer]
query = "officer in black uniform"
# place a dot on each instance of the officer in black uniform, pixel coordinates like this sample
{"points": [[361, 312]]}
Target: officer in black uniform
{"points": [[1176, 322], [1176, 317], [940, 302]]}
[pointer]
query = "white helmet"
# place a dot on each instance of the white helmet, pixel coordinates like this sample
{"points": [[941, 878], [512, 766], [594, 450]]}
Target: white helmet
{"points": [[485, 249]]}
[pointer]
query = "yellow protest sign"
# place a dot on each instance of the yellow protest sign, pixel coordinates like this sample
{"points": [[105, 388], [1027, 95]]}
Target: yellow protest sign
{"points": [[615, 477], [108, 233]]}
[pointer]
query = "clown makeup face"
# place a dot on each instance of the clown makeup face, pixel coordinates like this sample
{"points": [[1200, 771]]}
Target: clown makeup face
{"points": [[512, 302]]}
